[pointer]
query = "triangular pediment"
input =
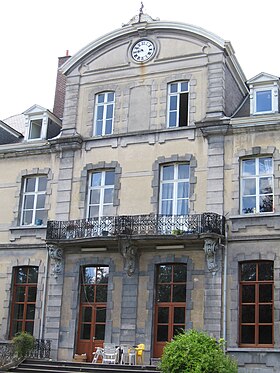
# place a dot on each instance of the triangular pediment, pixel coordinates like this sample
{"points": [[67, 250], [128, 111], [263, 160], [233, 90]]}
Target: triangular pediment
{"points": [[263, 78], [35, 109]]}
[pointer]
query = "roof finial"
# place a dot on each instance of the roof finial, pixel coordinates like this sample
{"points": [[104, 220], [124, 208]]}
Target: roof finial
{"points": [[141, 11]]}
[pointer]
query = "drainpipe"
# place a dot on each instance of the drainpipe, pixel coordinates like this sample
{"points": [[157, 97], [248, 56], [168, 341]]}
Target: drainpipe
{"points": [[225, 285], [44, 297]]}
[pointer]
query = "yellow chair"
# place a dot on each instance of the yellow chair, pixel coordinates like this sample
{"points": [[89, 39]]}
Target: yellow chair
{"points": [[140, 353]]}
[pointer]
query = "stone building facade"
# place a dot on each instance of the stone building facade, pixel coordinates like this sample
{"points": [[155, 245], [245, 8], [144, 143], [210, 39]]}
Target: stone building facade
{"points": [[155, 207]]}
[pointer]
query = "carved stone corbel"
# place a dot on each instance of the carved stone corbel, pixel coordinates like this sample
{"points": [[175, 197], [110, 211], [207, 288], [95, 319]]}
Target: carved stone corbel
{"points": [[129, 252], [56, 256], [210, 247]]}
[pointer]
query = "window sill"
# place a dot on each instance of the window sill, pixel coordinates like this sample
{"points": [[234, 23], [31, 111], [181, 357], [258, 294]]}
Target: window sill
{"points": [[253, 349]]}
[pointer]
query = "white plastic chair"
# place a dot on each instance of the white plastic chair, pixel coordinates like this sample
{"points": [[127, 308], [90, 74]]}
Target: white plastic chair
{"points": [[98, 353], [109, 354], [124, 354]]}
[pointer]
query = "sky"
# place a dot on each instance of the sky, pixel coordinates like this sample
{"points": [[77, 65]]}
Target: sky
{"points": [[34, 33]]}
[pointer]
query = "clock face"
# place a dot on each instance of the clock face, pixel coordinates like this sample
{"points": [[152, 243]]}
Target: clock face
{"points": [[143, 50]]}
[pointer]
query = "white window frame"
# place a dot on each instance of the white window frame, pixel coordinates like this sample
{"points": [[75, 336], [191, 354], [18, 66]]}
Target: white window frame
{"points": [[257, 176], [180, 91], [273, 88], [34, 193], [175, 181], [31, 120], [104, 118], [102, 187]]}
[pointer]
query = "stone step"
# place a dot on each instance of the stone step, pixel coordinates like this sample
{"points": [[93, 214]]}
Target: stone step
{"points": [[45, 366]]}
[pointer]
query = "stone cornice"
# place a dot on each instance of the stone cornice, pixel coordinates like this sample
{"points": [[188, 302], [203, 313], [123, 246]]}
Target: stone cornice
{"points": [[213, 126]]}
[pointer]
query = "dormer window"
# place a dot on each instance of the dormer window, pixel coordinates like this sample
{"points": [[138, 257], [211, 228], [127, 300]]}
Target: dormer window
{"points": [[264, 94], [35, 129], [40, 124]]}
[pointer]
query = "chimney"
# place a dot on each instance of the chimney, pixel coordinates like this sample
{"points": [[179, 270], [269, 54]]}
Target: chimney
{"points": [[59, 98]]}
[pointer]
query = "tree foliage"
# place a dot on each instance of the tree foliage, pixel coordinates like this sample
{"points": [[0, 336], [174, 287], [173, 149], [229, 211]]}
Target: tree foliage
{"points": [[196, 352]]}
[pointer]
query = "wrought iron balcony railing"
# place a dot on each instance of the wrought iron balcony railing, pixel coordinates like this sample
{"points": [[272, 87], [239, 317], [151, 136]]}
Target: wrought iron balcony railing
{"points": [[136, 225]]}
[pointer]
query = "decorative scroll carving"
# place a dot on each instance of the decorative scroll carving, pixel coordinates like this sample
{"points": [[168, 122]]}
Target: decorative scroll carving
{"points": [[129, 252], [56, 255], [210, 247]]}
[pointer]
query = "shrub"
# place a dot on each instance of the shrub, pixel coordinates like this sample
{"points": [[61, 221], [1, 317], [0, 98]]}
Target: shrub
{"points": [[196, 352], [24, 343]]}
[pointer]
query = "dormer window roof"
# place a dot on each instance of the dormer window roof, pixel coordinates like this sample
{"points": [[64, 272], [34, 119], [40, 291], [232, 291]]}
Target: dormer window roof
{"points": [[264, 94]]}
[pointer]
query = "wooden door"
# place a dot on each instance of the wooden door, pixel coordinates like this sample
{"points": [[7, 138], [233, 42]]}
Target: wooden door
{"points": [[92, 316], [170, 305]]}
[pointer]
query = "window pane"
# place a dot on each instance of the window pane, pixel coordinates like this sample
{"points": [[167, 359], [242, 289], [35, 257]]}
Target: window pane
{"points": [[85, 331], [18, 311], [182, 207], [30, 311], [87, 294], [167, 207], [168, 172], [32, 292], [93, 211], [98, 128], [263, 101], [102, 275], [179, 293], [265, 313], [111, 96], [100, 331], [266, 204], [109, 113], [164, 273], [249, 205], [94, 196], [178, 329], [89, 275], [265, 334], [109, 178], [248, 293], [17, 327], [162, 333], [184, 86], [21, 275], [265, 166], [180, 273], [29, 326], [101, 98], [248, 314], [248, 271], [101, 294], [19, 294], [164, 293], [100, 113], [101, 314], [173, 87], [28, 202], [96, 179], [108, 195], [248, 334], [179, 315], [86, 314], [42, 184], [172, 119], [32, 275], [249, 167], [163, 315], [183, 171], [265, 271], [265, 185], [167, 191], [249, 187], [108, 127], [40, 201], [265, 293], [183, 190], [173, 103]]}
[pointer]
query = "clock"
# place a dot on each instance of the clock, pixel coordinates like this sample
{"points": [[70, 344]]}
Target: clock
{"points": [[143, 50]]}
